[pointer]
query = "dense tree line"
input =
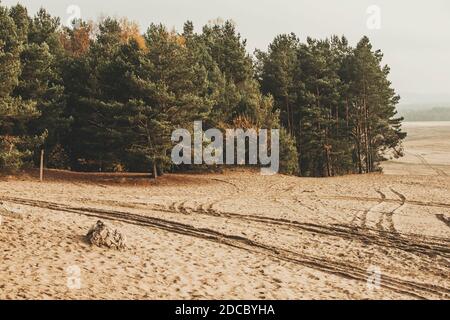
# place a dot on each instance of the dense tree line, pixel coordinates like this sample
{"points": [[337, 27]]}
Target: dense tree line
{"points": [[106, 97], [335, 100]]}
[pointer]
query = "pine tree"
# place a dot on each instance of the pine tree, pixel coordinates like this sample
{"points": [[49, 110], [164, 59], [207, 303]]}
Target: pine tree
{"points": [[40, 77], [340, 101], [373, 103], [169, 94], [15, 112], [92, 100], [278, 69]]}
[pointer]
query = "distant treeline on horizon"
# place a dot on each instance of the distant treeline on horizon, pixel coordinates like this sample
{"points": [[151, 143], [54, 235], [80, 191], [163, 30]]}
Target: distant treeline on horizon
{"points": [[105, 96], [425, 113]]}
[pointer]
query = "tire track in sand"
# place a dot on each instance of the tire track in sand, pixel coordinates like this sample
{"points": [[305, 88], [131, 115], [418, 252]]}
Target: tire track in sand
{"points": [[342, 269], [363, 218], [444, 219], [429, 246], [438, 171], [371, 199], [386, 221]]}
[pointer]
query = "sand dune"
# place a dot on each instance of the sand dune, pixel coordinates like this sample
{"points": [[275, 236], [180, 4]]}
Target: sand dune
{"points": [[241, 235], [237, 235]]}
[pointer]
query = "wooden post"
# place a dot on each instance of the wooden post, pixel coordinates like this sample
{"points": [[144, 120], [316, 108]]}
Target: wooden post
{"points": [[41, 171], [155, 171]]}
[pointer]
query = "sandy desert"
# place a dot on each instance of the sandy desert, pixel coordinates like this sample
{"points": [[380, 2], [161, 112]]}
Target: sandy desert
{"points": [[237, 235]]}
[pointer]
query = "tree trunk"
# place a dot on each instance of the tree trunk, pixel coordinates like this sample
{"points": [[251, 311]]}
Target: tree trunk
{"points": [[358, 146], [288, 110], [366, 137], [298, 138], [160, 171], [328, 160], [347, 113], [366, 123], [41, 167]]}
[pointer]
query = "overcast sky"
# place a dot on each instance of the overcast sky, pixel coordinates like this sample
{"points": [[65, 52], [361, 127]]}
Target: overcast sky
{"points": [[414, 35]]}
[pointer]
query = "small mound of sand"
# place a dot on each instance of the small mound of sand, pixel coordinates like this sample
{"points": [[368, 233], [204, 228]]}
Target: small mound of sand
{"points": [[103, 236]]}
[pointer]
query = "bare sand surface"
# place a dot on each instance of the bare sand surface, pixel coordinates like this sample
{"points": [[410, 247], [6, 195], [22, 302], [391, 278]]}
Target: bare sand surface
{"points": [[237, 235], [427, 150]]}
